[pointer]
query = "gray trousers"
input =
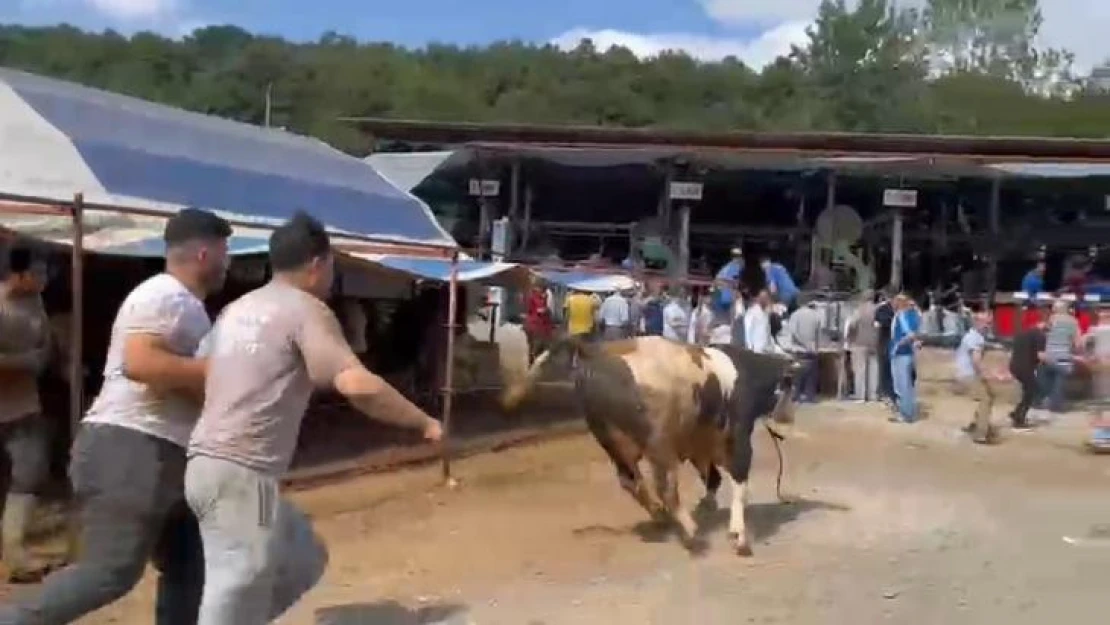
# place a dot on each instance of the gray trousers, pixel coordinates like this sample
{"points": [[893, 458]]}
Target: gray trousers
{"points": [[128, 488], [865, 374], [261, 553], [24, 454]]}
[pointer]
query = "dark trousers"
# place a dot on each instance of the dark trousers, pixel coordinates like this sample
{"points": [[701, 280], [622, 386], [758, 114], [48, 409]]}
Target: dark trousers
{"points": [[129, 493], [1030, 392], [24, 455], [807, 378], [886, 379]]}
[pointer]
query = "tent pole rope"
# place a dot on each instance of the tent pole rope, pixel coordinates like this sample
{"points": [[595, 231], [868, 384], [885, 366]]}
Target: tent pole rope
{"points": [[449, 369]]}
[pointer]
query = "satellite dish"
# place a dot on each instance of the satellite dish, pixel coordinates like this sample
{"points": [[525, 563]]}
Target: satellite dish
{"points": [[837, 229], [839, 224]]}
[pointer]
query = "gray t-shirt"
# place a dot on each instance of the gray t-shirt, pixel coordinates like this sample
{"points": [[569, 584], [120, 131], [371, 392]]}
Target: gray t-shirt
{"points": [[267, 353], [163, 307], [24, 331], [1098, 348], [1063, 330]]}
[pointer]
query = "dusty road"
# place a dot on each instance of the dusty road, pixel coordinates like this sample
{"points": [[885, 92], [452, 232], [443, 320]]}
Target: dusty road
{"points": [[906, 524]]}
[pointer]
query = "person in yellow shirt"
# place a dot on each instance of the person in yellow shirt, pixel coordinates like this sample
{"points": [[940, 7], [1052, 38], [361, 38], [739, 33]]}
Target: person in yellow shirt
{"points": [[581, 310]]}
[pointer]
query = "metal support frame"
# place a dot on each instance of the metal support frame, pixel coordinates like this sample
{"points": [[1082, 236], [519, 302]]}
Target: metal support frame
{"points": [[77, 317], [995, 231], [448, 389]]}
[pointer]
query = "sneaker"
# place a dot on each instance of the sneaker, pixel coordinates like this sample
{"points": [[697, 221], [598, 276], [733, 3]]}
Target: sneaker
{"points": [[1022, 427]]}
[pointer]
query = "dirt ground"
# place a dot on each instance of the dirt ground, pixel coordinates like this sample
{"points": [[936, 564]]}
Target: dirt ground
{"points": [[893, 523]]}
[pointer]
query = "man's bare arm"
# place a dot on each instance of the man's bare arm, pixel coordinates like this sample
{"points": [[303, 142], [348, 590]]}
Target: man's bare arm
{"points": [[377, 399], [146, 359]]}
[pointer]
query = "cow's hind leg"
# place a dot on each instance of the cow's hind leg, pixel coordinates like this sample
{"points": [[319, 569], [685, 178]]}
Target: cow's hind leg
{"points": [[625, 456]]}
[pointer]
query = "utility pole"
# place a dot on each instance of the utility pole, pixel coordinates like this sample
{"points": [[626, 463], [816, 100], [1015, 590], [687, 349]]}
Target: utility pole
{"points": [[269, 101]]}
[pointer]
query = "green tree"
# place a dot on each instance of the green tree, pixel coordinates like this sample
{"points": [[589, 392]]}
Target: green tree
{"points": [[994, 37], [865, 68], [866, 65]]}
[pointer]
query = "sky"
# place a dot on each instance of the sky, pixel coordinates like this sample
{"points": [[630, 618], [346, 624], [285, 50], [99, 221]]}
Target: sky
{"points": [[755, 31]]}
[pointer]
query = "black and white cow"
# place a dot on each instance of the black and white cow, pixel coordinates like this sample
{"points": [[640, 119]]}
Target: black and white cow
{"points": [[670, 402]]}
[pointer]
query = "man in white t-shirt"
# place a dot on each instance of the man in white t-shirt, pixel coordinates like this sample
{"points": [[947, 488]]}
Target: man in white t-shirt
{"points": [[757, 325], [128, 458], [973, 380]]}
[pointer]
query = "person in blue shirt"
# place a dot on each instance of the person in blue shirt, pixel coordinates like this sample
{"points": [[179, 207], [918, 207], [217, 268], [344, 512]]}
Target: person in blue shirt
{"points": [[780, 283], [903, 354], [733, 269], [1033, 282], [653, 313]]}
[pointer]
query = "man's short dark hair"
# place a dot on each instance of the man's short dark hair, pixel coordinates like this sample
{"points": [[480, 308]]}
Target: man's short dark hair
{"points": [[20, 259], [297, 242], [193, 224]]}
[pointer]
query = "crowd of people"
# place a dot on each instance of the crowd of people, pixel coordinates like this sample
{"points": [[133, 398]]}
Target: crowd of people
{"points": [[1043, 358], [178, 459], [882, 338]]}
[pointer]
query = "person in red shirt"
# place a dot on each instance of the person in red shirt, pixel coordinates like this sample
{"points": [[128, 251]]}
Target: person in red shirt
{"points": [[538, 325]]}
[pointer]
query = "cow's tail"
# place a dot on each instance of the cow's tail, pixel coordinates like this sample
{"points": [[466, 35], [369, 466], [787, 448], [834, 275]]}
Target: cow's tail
{"points": [[777, 439], [517, 390]]}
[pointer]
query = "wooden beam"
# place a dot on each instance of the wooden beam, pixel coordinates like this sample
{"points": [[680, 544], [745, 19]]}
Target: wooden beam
{"points": [[467, 132]]}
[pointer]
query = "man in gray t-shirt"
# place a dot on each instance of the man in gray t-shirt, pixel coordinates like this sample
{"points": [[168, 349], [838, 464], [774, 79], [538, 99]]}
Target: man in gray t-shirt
{"points": [[268, 351], [1061, 340]]}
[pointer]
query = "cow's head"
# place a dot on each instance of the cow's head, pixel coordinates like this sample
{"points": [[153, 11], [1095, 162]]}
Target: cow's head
{"points": [[783, 411]]}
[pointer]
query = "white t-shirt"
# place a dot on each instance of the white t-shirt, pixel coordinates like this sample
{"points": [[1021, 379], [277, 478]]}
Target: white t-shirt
{"points": [[757, 330], [160, 306], [972, 342]]}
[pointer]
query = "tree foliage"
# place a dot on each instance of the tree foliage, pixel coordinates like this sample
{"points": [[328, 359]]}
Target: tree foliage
{"points": [[959, 66]]}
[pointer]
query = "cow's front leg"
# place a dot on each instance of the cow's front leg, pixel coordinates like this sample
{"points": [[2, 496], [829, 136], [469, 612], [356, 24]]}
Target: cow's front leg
{"points": [[740, 465], [737, 528]]}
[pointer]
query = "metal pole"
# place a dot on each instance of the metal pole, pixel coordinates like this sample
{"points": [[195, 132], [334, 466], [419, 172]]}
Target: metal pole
{"points": [[77, 317], [449, 373], [269, 101], [76, 354], [896, 251], [995, 226], [514, 206]]}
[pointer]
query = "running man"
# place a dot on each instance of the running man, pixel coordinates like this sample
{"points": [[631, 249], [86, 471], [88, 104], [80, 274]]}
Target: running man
{"points": [[268, 352], [25, 351], [128, 459]]}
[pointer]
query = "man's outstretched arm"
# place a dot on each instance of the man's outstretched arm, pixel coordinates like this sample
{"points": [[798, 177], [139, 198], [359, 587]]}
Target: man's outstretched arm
{"points": [[331, 362]]}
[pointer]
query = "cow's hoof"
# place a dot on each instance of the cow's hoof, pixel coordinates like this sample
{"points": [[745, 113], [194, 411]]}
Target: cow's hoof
{"points": [[742, 548]]}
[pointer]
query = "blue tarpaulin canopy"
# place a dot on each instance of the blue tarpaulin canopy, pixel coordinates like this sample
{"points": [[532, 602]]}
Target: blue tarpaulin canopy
{"points": [[60, 139], [440, 269], [592, 282], [155, 247]]}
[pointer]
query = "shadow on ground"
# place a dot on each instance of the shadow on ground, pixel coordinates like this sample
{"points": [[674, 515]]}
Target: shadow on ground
{"points": [[392, 613], [764, 520]]}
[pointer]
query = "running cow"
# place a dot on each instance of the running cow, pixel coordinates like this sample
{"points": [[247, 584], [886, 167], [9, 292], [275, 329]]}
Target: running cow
{"points": [[669, 402]]}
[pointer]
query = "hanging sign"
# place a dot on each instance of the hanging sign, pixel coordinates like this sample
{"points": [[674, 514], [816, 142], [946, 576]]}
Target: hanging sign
{"points": [[484, 187], [690, 191], [900, 198]]}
